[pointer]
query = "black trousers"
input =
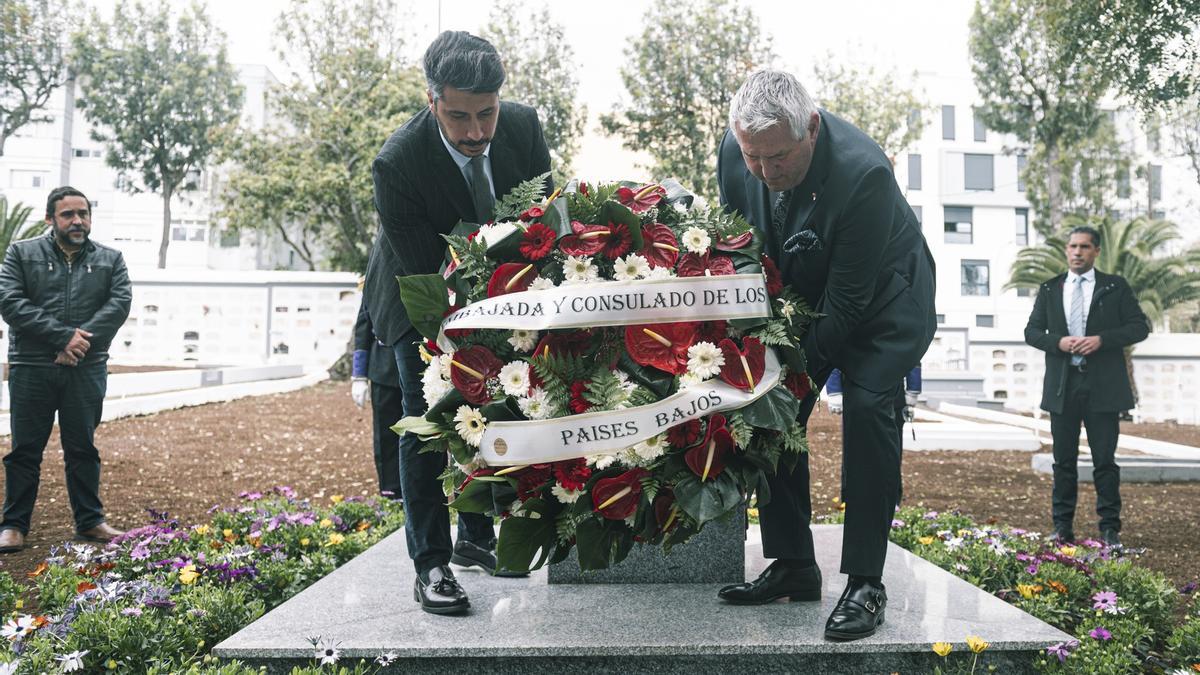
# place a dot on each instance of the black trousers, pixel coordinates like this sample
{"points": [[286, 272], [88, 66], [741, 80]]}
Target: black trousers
{"points": [[1103, 429], [871, 431], [387, 407], [36, 393]]}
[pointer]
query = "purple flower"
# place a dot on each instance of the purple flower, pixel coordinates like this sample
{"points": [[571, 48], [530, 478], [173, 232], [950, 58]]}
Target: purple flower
{"points": [[139, 552], [157, 596], [1188, 588], [1100, 633], [1104, 600], [1062, 649], [1016, 531], [1024, 557], [1032, 569], [896, 522], [251, 496], [132, 611], [931, 515]]}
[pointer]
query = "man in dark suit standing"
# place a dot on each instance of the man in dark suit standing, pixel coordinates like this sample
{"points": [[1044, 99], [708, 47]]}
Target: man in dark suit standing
{"points": [[373, 377], [846, 240], [1083, 320], [448, 163]]}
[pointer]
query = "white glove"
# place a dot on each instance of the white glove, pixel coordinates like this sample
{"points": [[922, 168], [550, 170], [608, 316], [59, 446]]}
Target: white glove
{"points": [[834, 403], [360, 391], [910, 398]]}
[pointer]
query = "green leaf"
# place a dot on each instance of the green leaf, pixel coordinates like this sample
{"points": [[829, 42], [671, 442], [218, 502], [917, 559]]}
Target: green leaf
{"points": [[507, 410], [615, 212], [522, 538], [557, 218], [601, 543], [425, 300], [475, 498], [651, 378], [777, 409], [706, 500], [449, 403]]}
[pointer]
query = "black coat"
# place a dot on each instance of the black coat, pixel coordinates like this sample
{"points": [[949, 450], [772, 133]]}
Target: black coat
{"points": [[421, 194], [854, 249], [381, 359], [1115, 316]]}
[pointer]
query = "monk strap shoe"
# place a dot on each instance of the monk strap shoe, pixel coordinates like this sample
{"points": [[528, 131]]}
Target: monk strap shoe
{"points": [[859, 611]]}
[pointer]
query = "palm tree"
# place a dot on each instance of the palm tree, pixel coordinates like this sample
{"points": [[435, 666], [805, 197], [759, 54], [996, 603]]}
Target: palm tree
{"points": [[12, 223]]}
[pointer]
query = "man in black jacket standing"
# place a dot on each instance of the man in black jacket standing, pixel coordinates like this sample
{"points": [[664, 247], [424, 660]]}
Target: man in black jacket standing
{"points": [[846, 240], [373, 377], [63, 297], [448, 163], [1084, 319]]}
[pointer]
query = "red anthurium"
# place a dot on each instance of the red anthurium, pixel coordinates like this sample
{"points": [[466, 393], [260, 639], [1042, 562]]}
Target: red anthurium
{"points": [[537, 242], [618, 242], [617, 498], [774, 279], [573, 343], [533, 213], [661, 345], [735, 242], [798, 384], [694, 265], [666, 511], [661, 248], [707, 458], [712, 331], [477, 472], [511, 278], [586, 240], [642, 198], [743, 367], [470, 369]]}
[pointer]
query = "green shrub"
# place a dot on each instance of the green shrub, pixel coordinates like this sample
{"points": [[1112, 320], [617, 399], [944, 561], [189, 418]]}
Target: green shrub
{"points": [[1146, 594], [1184, 643]]}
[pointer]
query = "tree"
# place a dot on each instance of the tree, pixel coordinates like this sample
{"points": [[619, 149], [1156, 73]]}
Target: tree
{"points": [[874, 101], [31, 60], [1184, 123], [158, 95], [682, 73], [15, 225], [307, 178], [1092, 173], [540, 66]]}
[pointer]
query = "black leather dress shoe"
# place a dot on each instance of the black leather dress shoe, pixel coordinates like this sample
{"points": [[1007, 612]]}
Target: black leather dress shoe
{"points": [[1111, 538], [439, 593], [779, 580], [1062, 536], [467, 554], [858, 613]]}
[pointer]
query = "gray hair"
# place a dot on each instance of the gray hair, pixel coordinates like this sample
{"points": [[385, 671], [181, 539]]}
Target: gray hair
{"points": [[463, 61], [769, 97]]}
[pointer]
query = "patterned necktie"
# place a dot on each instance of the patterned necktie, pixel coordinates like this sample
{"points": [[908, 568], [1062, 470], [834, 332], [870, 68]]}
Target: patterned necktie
{"points": [[481, 193], [778, 219], [1075, 322]]}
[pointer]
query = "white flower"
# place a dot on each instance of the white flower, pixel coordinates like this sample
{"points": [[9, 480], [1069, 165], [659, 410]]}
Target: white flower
{"points": [[523, 340], [696, 240], [514, 377], [661, 272], [536, 406], [651, 448], [954, 543], [600, 462], [541, 284], [632, 266], [386, 659], [580, 270], [564, 495], [786, 309], [705, 360], [630, 457], [10, 668], [689, 379], [472, 466], [72, 662], [18, 627], [998, 548], [328, 652], [469, 424], [493, 234], [433, 385], [443, 364]]}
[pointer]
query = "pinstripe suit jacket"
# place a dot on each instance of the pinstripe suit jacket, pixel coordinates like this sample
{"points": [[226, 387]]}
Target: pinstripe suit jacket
{"points": [[421, 194]]}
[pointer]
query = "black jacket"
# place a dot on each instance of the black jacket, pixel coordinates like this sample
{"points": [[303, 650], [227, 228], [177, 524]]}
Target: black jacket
{"points": [[381, 359], [421, 194], [44, 299], [853, 248], [1115, 316]]}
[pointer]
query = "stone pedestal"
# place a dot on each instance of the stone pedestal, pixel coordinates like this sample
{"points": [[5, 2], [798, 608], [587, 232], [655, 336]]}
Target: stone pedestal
{"points": [[717, 555]]}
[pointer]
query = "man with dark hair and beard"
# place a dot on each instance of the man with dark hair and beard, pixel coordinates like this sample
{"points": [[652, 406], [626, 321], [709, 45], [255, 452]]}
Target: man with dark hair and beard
{"points": [[450, 162], [63, 297]]}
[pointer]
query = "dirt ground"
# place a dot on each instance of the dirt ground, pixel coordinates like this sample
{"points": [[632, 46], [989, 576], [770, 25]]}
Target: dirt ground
{"points": [[316, 441]]}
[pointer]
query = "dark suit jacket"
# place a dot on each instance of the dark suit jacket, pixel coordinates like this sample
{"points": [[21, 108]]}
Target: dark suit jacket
{"points": [[1115, 316], [381, 359], [420, 194], [853, 248]]}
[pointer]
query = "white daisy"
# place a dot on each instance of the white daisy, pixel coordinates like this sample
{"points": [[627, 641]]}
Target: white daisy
{"points": [[523, 340], [564, 495], [651, 448], [600, 462], [536, 406], [660, 272], [469, 424], [689, 379], [514, 377], [696, 240], [73, 661], [17, 627], [10, 668], [541, 284], [433, 385], [632, 266], [328, 651], [580, 270], [705, 360], [493, 234]]}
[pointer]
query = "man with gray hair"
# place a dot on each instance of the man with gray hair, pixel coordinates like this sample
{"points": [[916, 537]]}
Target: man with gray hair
{"points": [[845, 239], [448, 163]]}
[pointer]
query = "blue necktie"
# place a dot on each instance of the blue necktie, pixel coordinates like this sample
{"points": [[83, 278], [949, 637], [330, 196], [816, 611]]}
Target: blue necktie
{"points": [[1075, 322]]}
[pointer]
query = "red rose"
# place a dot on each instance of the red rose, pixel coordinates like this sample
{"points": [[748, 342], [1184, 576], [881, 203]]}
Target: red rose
{"points": [[578, 403], [511, 278], [707, 458], [660, 247], [799, 384], [537, 242], [661, 345], [683, 435], [743, 367], [617, 498], [470, 369], [572, 474], [774, 278]]}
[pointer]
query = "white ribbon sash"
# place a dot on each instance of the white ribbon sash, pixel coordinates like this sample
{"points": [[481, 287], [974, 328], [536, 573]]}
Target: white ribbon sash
{"points": [[610, 431], [617, 303]]}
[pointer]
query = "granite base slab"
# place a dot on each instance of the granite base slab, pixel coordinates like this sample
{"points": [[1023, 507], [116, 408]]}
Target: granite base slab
{"points": [[527, 625], [1134, 468]]}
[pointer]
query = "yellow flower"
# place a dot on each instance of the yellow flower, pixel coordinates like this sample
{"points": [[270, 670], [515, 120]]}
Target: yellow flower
{"points": [[976, 643], [362, 526], [925, 541], [842, 506], [963, 532], [942, 648], [326, 523], [336, 538], [202, 529], [20, 604], [188, 574], [1058, 586], [753, 513], [304, 541], [111, 664], [1027, 590], [1067, 550], [336, 499], [229, 535]]}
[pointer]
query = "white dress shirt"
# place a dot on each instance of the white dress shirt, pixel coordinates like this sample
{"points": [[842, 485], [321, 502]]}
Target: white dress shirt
{"points": [[462, 160], [1089, 286]]}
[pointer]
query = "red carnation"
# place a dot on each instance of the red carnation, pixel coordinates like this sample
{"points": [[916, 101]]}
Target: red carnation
{"points": [[743, 367], [511, 278], [694, 265], [572, 474], [661, 345], [683, 435], [618, 242], [470, 369], [533, 213], [774, 278], [707, 458], [578, 403], [531, 481], [798, 384], [617, 498], [537, 242], [660, 247], [642, 198]]}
